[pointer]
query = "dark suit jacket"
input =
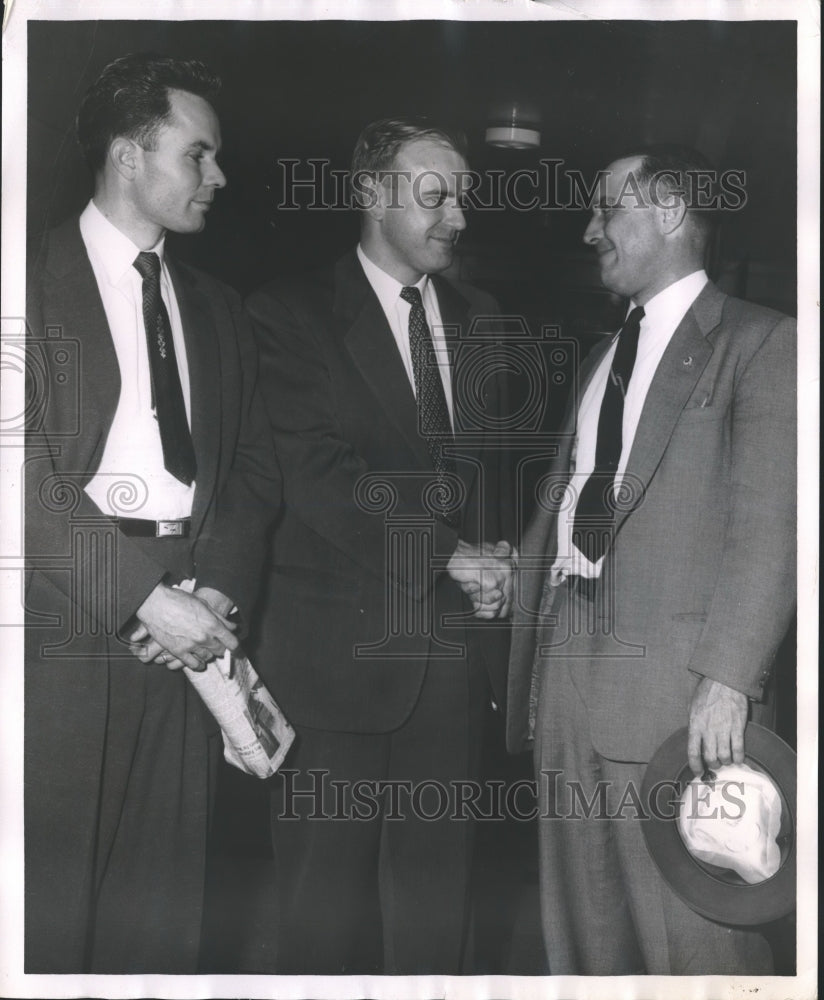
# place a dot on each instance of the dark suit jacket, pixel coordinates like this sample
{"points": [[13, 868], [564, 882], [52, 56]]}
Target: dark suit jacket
{"points": [[701, 575], [341, 408], [74, 403], [85, 579]]}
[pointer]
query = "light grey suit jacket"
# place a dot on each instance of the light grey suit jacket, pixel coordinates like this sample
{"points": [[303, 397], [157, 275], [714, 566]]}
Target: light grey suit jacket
{"points": [[700, 579]]}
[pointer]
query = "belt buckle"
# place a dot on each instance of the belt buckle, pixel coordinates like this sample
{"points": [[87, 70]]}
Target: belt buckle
{"points": [[169, 529]]}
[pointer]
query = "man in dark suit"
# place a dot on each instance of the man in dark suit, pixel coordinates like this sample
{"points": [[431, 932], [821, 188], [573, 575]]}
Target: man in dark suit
{"points": [[387, 426], [148, 464], [657, 577]]}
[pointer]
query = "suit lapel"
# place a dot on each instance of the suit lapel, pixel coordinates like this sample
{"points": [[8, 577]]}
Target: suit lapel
{"points": [[203, 360], [372, 347], [74, 300], [675, 379], [454, 310], [455, 317], [539, 540]]}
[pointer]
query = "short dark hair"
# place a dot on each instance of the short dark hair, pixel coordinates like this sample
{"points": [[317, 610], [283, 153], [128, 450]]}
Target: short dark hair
{"points": [[677, 168], [131, 98], [380, 142]]}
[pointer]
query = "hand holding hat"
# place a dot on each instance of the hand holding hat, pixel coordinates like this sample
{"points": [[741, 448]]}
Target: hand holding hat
{"points": [[718, 717], [717, 888]]}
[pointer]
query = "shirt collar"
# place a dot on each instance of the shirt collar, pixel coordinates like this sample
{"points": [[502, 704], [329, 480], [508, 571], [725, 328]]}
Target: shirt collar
{"points": [[387, 288], [114, 251], [671, 304]]}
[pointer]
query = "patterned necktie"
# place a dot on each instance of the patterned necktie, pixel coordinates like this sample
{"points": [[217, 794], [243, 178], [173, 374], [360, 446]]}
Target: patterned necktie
{"points": [[167, 394], [433, 415], [594, 515]]}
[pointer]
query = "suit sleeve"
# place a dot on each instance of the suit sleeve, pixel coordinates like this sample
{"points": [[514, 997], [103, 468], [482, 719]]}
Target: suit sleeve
{"points": [[754, 598], [231, 556], [321, 468]]}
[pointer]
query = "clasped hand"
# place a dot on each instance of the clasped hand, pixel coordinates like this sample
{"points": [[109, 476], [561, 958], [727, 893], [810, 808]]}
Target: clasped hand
{"points": [[486, 575], [180, 629]]}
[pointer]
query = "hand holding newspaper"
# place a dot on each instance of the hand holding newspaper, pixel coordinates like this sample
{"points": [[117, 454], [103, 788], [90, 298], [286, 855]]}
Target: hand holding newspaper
{"points": [[256, 733]]}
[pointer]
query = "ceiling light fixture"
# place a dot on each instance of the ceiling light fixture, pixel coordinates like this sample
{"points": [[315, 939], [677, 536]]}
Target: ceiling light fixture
{"points": [[514, 125]]}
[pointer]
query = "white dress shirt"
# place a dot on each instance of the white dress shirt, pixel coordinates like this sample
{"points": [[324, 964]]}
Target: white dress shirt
{"points": [[131, 480], [396, 309], [662, 315]]}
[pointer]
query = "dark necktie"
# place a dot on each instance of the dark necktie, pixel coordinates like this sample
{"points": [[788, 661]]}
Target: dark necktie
{"points": [[433, 415], [594, 515], [167, 394]]}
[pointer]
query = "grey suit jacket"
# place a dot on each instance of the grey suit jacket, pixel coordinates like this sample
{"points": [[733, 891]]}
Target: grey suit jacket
{"points": [[700, 579]]}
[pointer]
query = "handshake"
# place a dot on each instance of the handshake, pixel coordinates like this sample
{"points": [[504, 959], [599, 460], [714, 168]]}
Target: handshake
{"points": [[180, 629], [486, 574]]}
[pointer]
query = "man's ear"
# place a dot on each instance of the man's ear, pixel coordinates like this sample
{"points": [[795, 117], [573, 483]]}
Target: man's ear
{"points": [[672, 213], [123, 156], [369, 194]]}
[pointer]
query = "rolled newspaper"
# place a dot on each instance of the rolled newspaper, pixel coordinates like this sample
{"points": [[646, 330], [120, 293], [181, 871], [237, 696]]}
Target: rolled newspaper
{"points": [[256, 733]]}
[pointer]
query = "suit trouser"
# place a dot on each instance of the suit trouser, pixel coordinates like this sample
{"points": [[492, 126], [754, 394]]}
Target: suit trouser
{"points": [[381, 888], [117, 788], [605, 908]]}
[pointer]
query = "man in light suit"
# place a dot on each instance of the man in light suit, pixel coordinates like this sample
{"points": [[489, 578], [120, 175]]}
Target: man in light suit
{"points": [[657, 577], [395, 509], [148, 464]]}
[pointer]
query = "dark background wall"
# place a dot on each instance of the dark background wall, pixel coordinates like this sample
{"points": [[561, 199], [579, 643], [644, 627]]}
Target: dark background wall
{"points": [[305, 89]]}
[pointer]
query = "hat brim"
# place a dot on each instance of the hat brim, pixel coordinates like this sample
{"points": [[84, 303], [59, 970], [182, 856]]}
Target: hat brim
{"points": [[714, 893]]}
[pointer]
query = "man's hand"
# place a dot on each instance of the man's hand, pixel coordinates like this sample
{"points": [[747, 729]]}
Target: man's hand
{"points": [[182, 630], [219, 603], [485, 574], [718, 717]]}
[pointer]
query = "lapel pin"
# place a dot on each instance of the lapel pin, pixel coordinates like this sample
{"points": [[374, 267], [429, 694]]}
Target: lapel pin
{"points": [[687, 361]]}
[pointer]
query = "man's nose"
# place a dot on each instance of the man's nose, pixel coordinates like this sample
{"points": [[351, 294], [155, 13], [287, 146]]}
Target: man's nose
{"points": [[455, 217], [594, 230], [215, 176]]}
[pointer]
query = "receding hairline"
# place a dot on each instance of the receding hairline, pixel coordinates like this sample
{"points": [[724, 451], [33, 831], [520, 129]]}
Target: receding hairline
{"points": [[179, 116]]}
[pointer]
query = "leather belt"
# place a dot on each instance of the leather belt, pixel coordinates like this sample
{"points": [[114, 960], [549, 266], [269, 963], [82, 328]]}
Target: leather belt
{"points": [[584, 586], [137, 527]]}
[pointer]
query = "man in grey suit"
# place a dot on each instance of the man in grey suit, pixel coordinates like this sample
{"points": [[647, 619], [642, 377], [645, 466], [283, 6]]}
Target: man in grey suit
{"points": [[656, 578]]}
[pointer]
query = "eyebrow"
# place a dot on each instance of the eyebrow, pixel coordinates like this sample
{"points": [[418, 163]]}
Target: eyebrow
{"points": [[202, 144]]}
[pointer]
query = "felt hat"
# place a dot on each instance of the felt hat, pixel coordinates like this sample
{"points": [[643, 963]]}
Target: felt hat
{"points": [[719, 893]]}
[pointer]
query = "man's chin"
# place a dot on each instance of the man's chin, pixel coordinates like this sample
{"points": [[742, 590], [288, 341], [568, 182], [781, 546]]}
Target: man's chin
{"points": [[442, 260], [611, 281], [192, 225]]}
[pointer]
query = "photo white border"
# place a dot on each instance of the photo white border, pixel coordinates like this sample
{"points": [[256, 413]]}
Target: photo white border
{"points": [[12, 981]]}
